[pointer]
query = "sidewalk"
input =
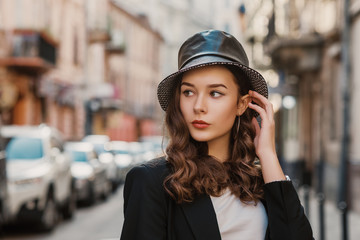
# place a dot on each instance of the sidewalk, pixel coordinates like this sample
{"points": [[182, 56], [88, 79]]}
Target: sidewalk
{"points": [[333, 228]]}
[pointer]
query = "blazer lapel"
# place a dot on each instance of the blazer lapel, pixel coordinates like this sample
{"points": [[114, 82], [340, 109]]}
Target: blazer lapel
{"points": [[201, 217]]}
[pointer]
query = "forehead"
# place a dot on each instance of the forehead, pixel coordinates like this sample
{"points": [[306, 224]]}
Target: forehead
{"points": [[209, 75]]}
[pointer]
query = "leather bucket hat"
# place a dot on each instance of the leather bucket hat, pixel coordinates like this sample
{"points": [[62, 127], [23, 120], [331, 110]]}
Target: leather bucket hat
{"points": [[211, 47]]}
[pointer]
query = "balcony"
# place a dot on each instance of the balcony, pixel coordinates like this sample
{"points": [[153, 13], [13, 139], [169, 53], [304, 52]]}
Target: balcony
{"points": [[296, 55], [117, 42], [98, 35], [31, 51]]}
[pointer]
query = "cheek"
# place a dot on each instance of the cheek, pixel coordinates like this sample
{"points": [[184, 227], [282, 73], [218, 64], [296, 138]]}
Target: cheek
{"points": [[226, 115], [183, 107], [227, 118], [226, 108]]}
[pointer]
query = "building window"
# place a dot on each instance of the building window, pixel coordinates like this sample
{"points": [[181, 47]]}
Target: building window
{"points": [[76, 48]]}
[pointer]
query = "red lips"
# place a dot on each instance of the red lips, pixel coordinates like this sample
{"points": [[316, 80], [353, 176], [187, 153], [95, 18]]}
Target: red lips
{"points": [[200, 124]]}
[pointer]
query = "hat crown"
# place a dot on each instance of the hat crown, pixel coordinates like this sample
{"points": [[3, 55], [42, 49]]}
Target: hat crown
{"points": [[212, 43]]}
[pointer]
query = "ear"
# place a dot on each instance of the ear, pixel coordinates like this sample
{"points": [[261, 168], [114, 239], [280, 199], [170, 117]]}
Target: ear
{"points": [[243, 104]]}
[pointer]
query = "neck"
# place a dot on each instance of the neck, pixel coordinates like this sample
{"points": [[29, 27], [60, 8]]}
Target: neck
{"points": [[219, 150]]}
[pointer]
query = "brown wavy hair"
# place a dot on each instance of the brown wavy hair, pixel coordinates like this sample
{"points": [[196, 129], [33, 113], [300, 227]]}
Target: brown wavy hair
{"points": [[194, 172]]}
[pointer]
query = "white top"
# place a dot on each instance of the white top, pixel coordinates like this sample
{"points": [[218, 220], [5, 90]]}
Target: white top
{"points": [[238, 220]]}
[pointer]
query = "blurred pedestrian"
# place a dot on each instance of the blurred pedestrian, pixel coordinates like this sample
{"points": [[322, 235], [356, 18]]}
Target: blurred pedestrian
{"points": [[221, 178]]}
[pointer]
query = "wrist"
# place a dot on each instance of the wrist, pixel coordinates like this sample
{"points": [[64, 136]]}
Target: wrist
{"points": [[271, 168], [267, 156]]}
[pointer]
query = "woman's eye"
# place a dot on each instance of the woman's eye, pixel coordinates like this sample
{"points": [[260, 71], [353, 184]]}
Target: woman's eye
{"points": [[216, 94], [188, 93]]}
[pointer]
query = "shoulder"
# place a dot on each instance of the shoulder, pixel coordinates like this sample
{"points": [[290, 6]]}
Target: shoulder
{"points": [[145, 199], [158, 165], [154, 171]]}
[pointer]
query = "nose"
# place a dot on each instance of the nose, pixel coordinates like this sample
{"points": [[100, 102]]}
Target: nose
{"points": [[200, 105]]}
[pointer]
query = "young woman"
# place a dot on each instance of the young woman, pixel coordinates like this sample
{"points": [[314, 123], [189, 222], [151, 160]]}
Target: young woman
{"points": [[220, 178]]}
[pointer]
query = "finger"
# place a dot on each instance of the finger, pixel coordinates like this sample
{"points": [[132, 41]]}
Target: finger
{"points": [[260, 99], [260, 110], [263, 102], [257, 95], [258, 102]]}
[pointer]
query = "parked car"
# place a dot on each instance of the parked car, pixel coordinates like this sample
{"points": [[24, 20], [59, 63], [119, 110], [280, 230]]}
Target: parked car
{"points": [[89, 173], [130, 154], [105, 157], [158, 144], [3, 189], [38, 172], [144, 151], [123, 158]]}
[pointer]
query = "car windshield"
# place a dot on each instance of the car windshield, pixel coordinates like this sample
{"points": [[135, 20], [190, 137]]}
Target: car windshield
{"points": [[121, 152], [99, 148], [79, 156], [24, 148]]}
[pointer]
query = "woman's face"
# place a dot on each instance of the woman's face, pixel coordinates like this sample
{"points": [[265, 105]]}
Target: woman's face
{"points": [[209, 103]]}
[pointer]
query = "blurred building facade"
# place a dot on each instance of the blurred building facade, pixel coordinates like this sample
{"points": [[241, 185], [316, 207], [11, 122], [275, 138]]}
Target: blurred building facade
{"points": [[123, 72], [41, 64], [177, 20], [301, 40], [84, 67]]}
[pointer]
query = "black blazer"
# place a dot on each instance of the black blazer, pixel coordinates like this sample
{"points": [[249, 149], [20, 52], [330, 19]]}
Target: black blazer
{"points": [[150, 214]]}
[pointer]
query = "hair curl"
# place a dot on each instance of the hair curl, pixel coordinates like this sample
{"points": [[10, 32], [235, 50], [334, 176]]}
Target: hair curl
{"points": [[194, 172]]}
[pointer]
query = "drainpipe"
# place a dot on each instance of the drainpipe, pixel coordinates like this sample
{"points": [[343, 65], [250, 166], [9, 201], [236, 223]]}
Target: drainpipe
{"points": [[320, 189], [343, 170]]}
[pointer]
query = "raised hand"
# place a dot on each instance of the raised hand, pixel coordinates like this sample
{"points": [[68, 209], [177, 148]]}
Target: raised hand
{"points": [[265, 138]]}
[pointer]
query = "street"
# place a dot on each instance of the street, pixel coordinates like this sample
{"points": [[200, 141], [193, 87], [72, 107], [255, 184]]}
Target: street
{"points": [[101, 221]]}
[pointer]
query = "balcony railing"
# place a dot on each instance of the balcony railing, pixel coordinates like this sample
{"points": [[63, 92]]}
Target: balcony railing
{"points": [[31, 49]]}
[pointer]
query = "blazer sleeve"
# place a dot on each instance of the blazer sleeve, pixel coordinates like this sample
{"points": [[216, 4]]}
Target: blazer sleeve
{"points": [[144, 206], [286, 216]]}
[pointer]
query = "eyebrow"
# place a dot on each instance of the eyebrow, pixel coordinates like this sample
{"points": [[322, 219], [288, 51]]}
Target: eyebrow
{"points": [[215, 85]]}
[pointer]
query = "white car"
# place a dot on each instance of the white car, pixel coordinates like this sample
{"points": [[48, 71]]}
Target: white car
{"points": [[88, 172], [38, 172], [123, 159], [105, 157], [130, 154]]}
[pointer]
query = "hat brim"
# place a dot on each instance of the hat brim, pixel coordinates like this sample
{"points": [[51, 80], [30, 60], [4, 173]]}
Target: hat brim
{"points": [[166, 89]]}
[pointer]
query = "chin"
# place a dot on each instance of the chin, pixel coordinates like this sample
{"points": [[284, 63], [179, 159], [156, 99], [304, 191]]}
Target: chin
{"points": [[200, 138]]}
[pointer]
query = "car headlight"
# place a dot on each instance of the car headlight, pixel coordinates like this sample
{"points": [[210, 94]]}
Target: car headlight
{"points": [[106, 158], [82, 171], [123, 160]]}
